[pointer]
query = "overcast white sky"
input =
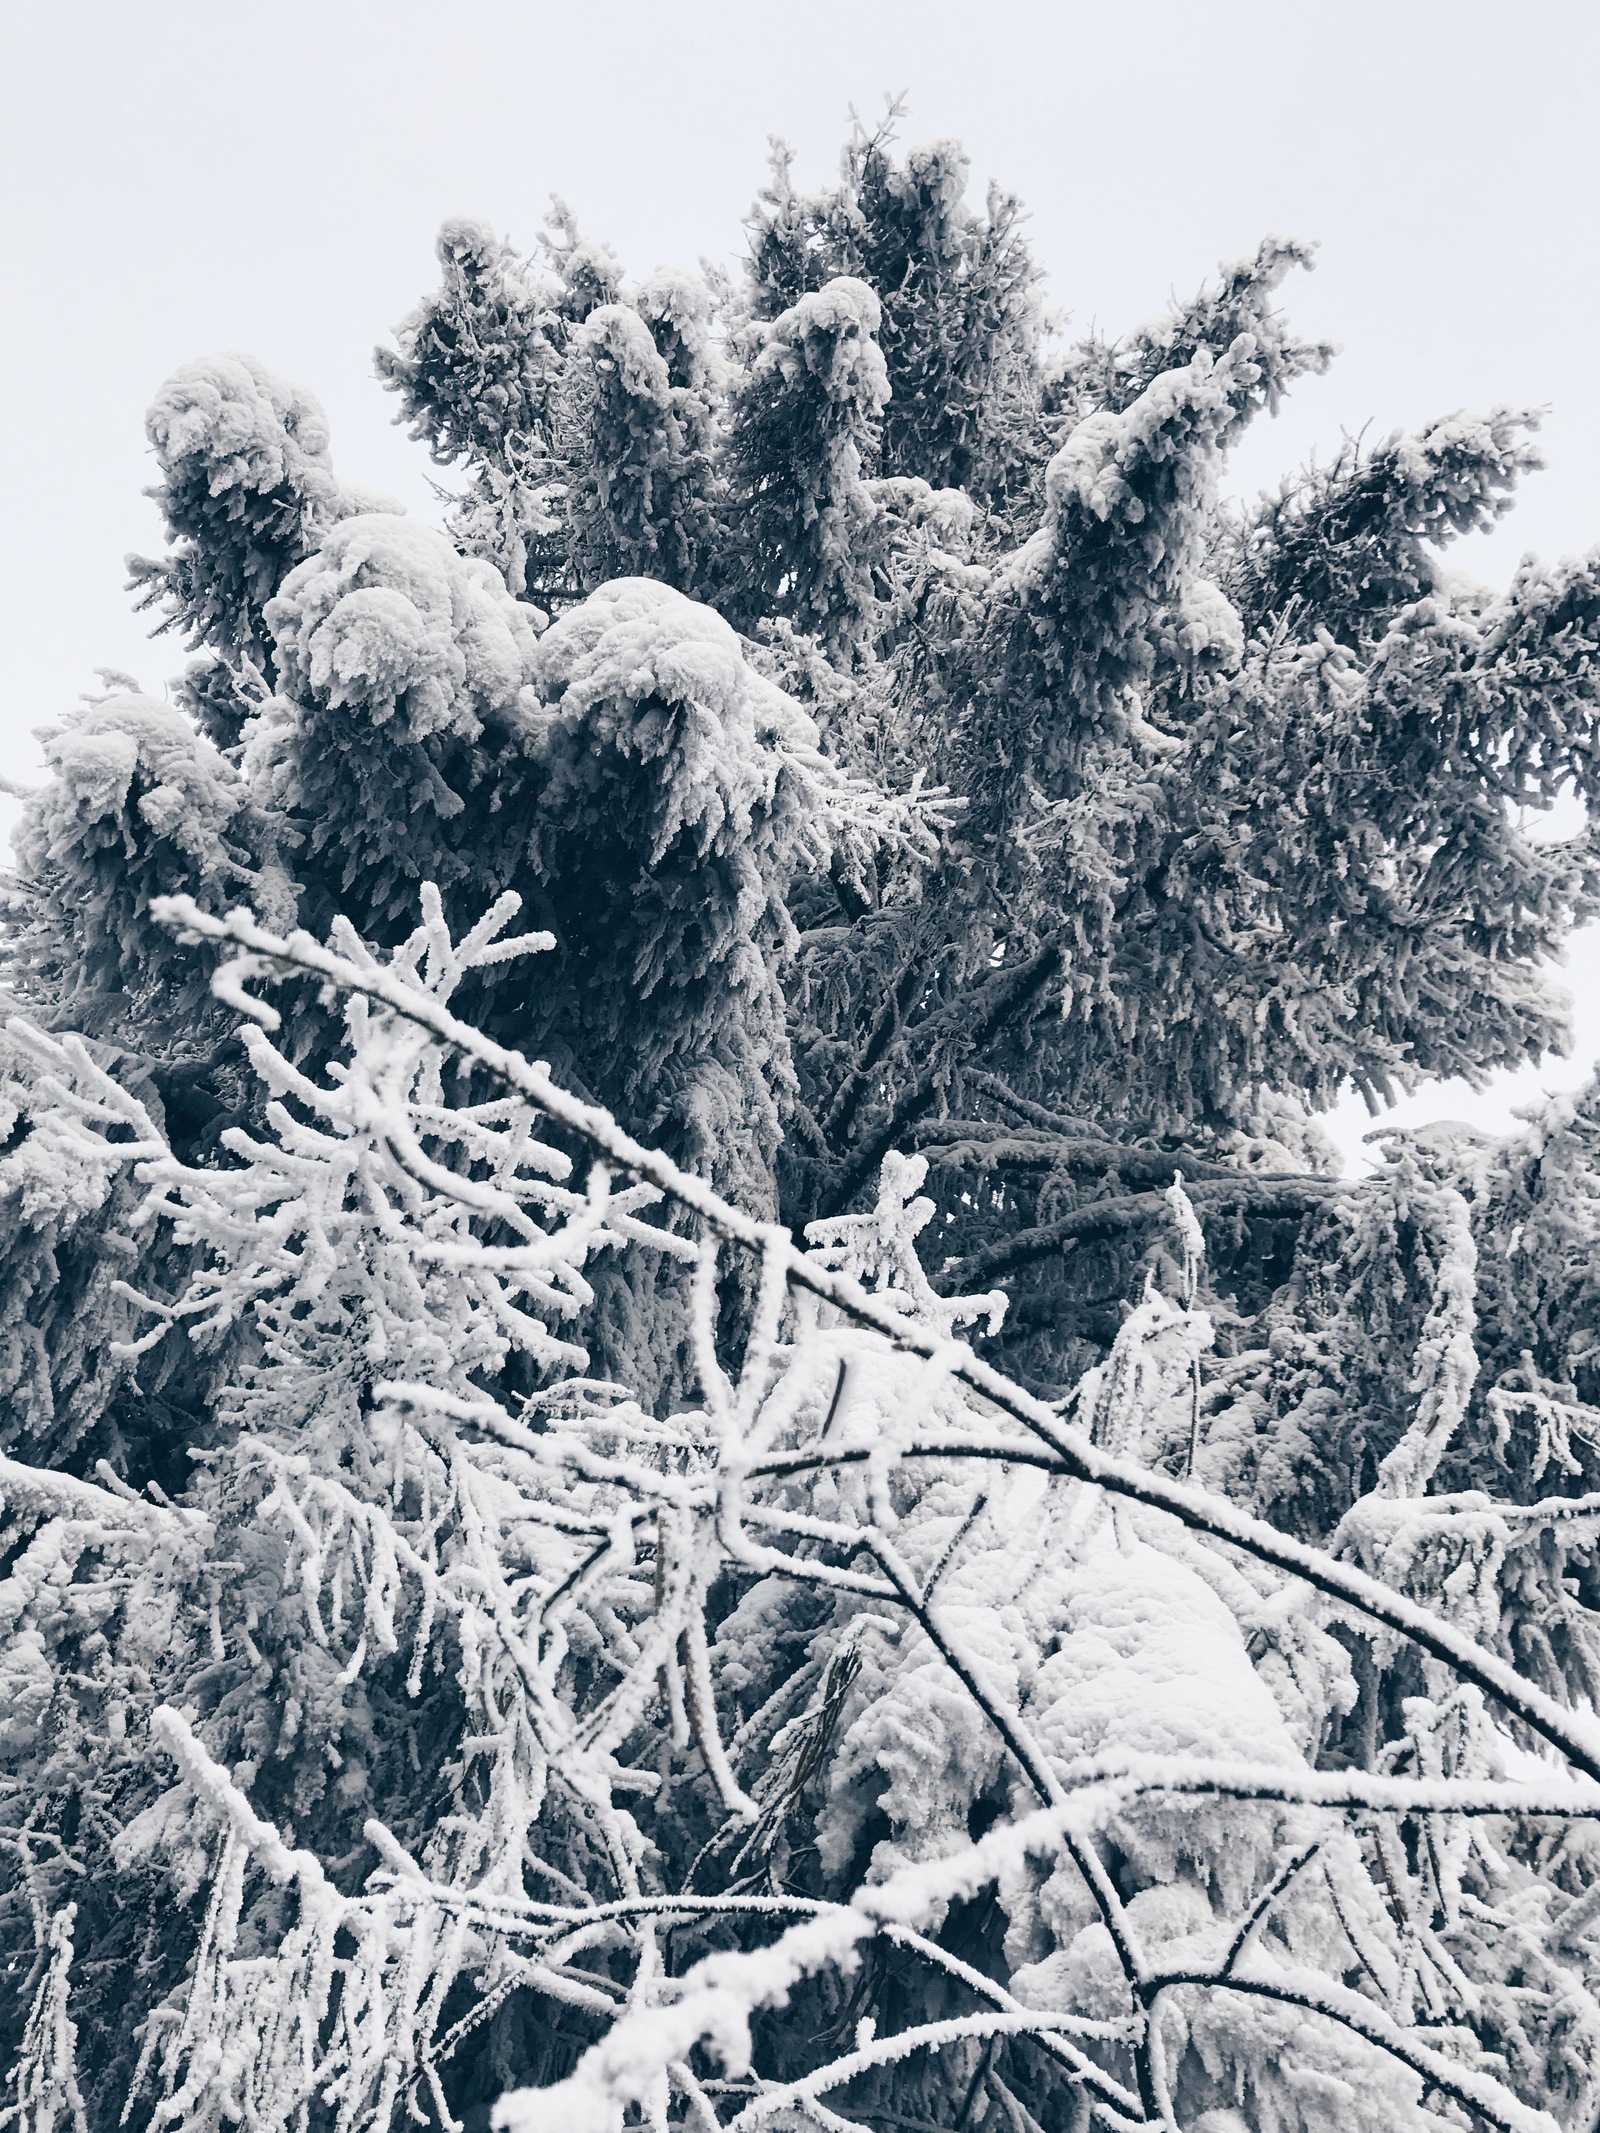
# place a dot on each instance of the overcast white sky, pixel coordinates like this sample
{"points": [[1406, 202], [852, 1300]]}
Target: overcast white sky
{"points": [[188, 175]]}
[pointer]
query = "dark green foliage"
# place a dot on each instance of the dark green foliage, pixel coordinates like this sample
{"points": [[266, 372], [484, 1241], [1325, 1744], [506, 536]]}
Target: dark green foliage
{"points": [[638, 453], [803, 439], [676, 800], [403, 669], [959, 328], [1343, 547], [139, 806], [477, 362]]}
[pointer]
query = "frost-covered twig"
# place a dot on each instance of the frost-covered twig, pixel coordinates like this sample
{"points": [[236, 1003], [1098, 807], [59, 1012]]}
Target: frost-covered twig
{"points": [[44, 2080], [1576, 1736], [45, 1492], [1481, 2093]]}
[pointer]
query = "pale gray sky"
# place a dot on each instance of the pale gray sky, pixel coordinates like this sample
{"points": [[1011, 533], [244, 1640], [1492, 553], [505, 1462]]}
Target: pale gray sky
{"points": [[189, 175]]}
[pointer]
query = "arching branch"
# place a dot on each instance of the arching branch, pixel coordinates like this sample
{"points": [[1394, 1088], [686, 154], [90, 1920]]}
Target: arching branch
{"points": [[264, 954], [1270, 1199]]}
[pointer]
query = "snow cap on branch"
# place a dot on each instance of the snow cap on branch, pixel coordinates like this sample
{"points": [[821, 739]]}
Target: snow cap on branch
{"points": [[139, 806], [679, 793], [402, 663], [248, 490]]}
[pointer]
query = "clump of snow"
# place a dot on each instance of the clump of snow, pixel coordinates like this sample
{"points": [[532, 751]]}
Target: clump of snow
{"points": [[645, 671], [187, 792], [831, 335], [388, 616], [243, 427]]}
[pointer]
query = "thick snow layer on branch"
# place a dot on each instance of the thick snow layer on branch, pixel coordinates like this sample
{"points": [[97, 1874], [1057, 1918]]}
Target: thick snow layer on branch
{"points": [[388, 620], [1103, 468], [245, 427], [132, 753], [636, 650], [830, 335]]}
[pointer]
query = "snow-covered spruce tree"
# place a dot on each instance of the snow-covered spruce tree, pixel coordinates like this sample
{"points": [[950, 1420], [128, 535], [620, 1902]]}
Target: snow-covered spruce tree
{"points": [[693, 1431]]}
